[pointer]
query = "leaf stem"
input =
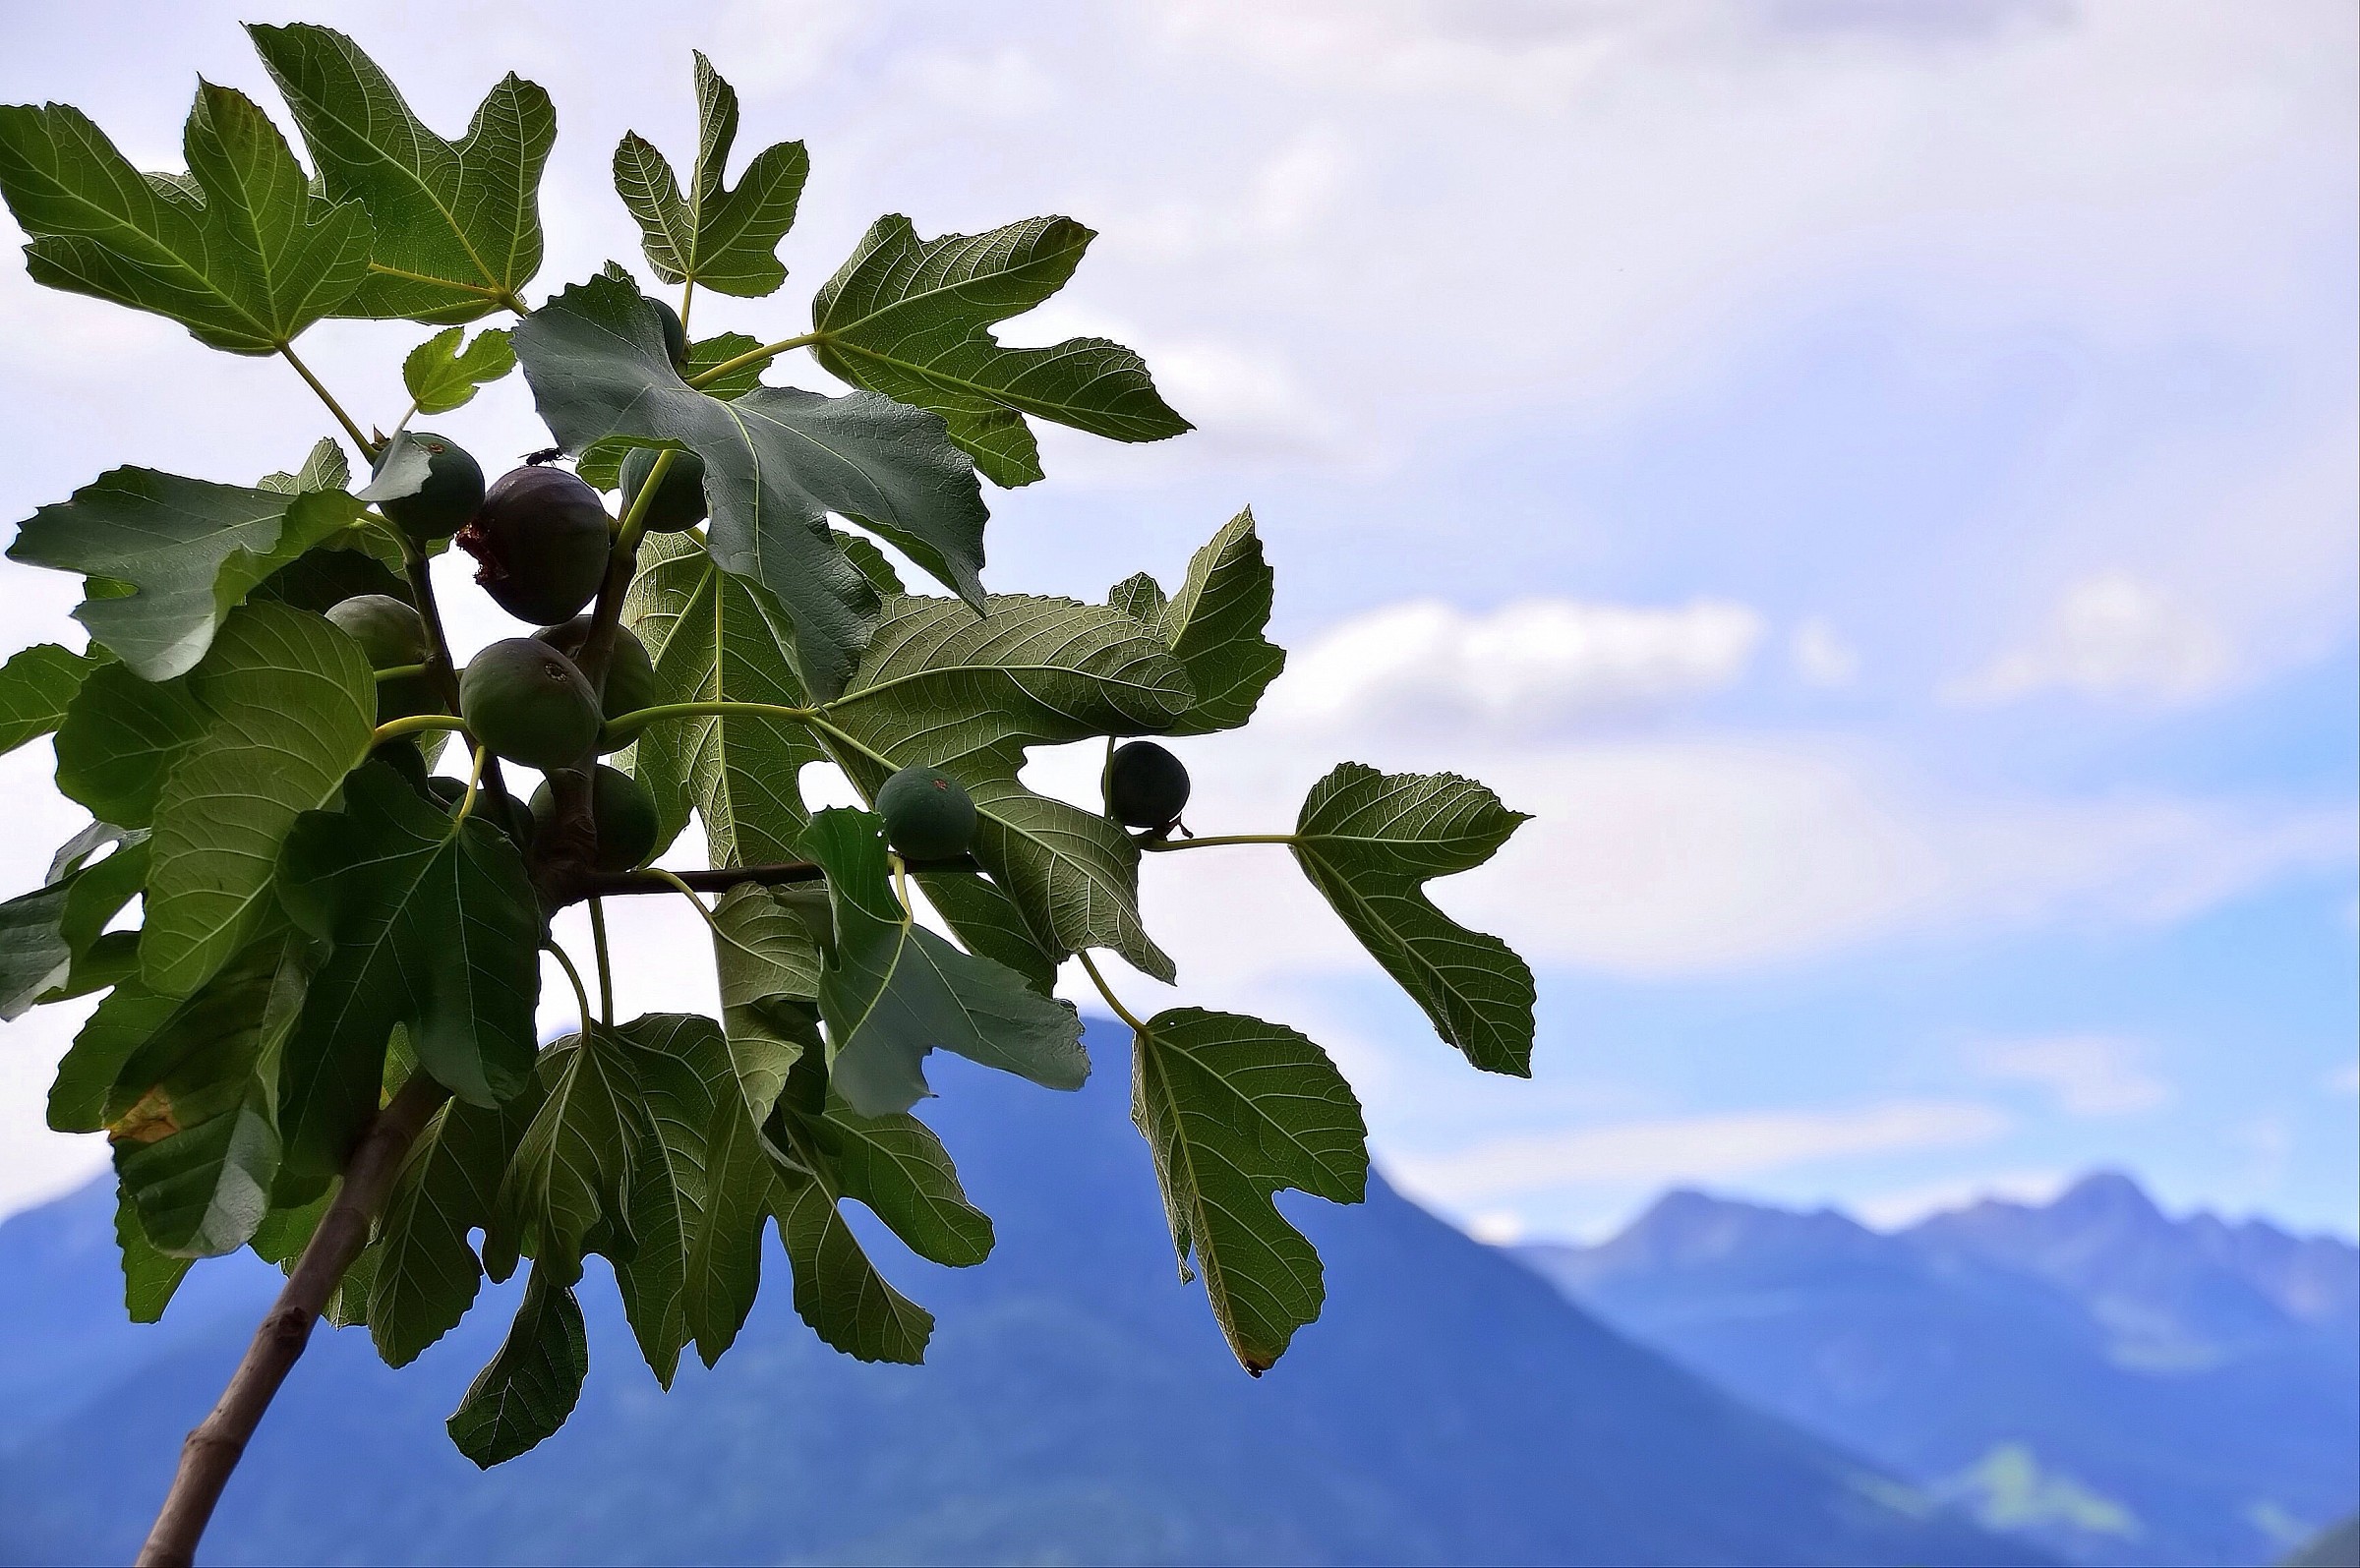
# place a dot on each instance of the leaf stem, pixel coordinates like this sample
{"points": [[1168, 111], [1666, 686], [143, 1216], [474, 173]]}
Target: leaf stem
{"points": [[606, 971], [401, 671], [475, 777], [414, 725], [675, 885], [755, 356], [367, 447], [621, 728], [1166, 845], [687, 298], [581, 996], [1096, 979]]}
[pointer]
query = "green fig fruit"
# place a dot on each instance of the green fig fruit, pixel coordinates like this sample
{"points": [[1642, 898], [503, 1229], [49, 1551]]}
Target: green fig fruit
{"points": [[625, 813], [675, 336], [928, 814], [630, 674], [393, 635], [1146, 786], [446, 500], [524, 701], [678, 504], [541, 538]]}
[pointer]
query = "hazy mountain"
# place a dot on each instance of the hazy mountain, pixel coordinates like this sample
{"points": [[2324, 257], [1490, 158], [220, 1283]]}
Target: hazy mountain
{"points": [[2116, 1384], [1079, 1405]]}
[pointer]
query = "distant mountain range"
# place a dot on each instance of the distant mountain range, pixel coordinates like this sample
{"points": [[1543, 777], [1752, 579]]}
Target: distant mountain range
{"points": [[1079, 1406], [2116, 1385]]}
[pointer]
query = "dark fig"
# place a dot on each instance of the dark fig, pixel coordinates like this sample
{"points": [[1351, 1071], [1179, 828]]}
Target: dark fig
{"points": [[675, 336], [623, 811], [524, 701], [1146, 786], [928, 814], [630, 674], [452, 490], [678, 504], [541, 538]]}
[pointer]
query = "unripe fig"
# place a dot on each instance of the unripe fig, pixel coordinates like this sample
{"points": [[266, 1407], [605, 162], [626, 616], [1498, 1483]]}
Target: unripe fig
{"points": [[392, 634], [630, 674], [678, 504], [541, 537], [1146, 786], [928, 814], [675, 335], [623, 810], [516, 819], [524, 701], [453, 488]]}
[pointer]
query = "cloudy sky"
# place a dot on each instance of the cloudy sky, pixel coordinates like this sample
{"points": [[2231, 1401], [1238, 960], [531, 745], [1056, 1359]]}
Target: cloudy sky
{"points": [[1876, 479]]}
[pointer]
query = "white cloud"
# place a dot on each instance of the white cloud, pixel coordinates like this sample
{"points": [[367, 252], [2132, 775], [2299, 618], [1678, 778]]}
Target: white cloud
{"points": [[1821, 657], [1526, 666], [2088, 1074], [2112, 636], [2346, 1080], [1695, 1148]]}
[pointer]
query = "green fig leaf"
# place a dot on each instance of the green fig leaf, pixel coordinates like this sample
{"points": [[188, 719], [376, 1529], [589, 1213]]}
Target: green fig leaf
{"points": [[441, 376], [435, 926], [567, 1186], [427, 1274], [37, 685], [189, 551], [1214, 627], [895, 991], [240, 249], [716, 238], [778, 462], [530, 1387], [910, 318], [1369, 841], [150, 1278], [458, 224], [1235, 1109]]}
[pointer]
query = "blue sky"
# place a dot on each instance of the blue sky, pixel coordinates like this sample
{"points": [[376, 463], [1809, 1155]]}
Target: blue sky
{"points": [[1875, 479]]}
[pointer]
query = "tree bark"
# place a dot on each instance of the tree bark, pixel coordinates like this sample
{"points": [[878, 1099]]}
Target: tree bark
{"points": [[211, 1451]]}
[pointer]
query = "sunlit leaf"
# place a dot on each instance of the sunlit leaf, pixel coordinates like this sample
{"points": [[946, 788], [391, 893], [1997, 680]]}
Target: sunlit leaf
{"points": [[912, 318], [1214, 626], [1370, 841], [441, 376], [240, 249], [458, 224], [721, 238], [1237, 1109]]}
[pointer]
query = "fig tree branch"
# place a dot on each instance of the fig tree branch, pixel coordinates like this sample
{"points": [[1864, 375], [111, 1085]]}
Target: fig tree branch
{"points": [[211, 1451], [721, 879]]}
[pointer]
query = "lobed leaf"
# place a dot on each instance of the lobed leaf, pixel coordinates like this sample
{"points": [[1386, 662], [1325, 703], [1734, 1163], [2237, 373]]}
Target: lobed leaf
{"points": [[837, 1291], [710, 235], [766, 958], [441, 376], [189, 1111], [1235, 1109], [570, 1181], [46, 934], [941, 688], [894, 991], [324, 468], [457, 224], [426, 1272], [530, 1387], [910, 318], [718, 637], [37, 685], [433, 926], [1370, 841], [290, 703], [150, 1278], [778, 462], [187, 550], [240, 249], [1214, 627], [120, 739]]}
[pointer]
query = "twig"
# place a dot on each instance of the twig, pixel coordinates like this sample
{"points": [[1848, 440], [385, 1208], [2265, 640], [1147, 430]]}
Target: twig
{"points": [[211, 1452]]}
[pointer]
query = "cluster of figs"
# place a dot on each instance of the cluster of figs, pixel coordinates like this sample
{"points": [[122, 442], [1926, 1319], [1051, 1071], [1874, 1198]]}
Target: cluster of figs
{"points": [[541, 540]]}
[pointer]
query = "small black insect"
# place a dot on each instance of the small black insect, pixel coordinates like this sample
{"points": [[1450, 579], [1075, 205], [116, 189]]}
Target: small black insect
{"points": [[547, 455]]}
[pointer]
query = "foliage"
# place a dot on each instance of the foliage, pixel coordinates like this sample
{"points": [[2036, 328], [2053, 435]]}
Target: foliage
{"points": [[320, 923]]}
